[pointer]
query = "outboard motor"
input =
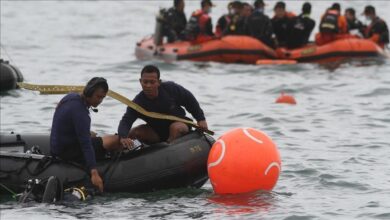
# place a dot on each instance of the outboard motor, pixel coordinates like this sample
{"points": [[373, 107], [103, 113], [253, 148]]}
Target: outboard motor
{"points": [[9, 76]]}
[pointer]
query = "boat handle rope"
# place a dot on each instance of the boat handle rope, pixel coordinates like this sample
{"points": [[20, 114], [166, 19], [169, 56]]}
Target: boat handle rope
{"points": [[9, 190], [64, 89]]}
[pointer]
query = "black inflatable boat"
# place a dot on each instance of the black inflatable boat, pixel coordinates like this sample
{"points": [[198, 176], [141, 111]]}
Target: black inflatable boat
{"points": [[182, 163], [9, 76]]}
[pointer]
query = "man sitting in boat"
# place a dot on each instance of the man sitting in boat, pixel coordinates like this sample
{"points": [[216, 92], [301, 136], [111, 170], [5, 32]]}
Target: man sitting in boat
{"points": [[301, 28], [355, 26], [174, 21], [258, 25], [161, 97], [377, 30], [200, 28], [333, 26], [70, 137], [281, 23]]}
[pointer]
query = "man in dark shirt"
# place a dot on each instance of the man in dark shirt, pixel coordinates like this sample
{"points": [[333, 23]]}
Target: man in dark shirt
{"points": [[354, 25], [70, 137], [258, 25], [377, 31], [161, 97], [174, 21], [301, 28], [281, 22]]}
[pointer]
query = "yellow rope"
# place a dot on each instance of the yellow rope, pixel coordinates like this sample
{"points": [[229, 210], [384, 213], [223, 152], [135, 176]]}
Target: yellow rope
{"points": [[63, 89]]}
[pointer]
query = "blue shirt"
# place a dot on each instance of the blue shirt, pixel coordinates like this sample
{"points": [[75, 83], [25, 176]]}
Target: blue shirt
{"points": [[171, 97], [71, 129]]}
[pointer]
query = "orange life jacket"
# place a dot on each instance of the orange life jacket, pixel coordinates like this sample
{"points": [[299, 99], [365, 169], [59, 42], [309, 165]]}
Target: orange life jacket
{"points": [[203, 18]]}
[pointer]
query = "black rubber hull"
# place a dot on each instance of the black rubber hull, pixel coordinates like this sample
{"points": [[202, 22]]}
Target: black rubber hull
{"points": [[183, 163], [9, 76]]}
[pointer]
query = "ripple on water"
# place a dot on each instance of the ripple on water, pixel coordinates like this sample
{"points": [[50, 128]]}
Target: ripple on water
{"points": [[300, 217], [344, 184], [302, 172], [376, 92]]}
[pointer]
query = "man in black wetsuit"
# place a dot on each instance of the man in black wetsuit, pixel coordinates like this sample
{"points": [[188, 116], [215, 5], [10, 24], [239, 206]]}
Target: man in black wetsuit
{"points": [[258, 25], [162, 97], [301, 28], [174, 21], [281, 23], [70, 137], [377, 30]]}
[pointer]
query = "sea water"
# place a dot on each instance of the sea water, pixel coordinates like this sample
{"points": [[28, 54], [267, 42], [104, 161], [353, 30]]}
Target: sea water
{"points": [[334, 144]]}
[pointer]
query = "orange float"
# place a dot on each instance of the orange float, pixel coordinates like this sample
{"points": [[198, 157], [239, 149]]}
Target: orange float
{"points": [[275, 62], [243, 160], [287, 99]]}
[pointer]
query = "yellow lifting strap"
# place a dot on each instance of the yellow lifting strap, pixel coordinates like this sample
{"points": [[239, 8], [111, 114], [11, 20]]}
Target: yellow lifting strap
{"points": [[64, 89]]}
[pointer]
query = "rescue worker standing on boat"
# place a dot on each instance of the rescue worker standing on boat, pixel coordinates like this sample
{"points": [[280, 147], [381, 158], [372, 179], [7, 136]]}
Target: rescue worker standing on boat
{"points": [[70, 137], [301, 28], [161, 97], [258, 25], [333, 26], [377, 31], [174, 21], [199, 27], [281, 23]]}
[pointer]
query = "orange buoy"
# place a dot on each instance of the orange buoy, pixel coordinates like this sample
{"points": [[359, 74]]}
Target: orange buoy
{"points": [[243, 160], [287, 99], [275, 62]]}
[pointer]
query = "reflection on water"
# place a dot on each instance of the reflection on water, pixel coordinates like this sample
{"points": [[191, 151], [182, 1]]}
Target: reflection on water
{"points": [[247, 203]]}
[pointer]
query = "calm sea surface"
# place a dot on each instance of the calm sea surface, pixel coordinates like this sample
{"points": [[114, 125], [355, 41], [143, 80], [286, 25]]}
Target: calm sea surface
{"points": [[334, 144]]}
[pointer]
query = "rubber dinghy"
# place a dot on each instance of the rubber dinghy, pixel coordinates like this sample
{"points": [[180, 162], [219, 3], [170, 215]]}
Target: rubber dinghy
{"points": [[339, 50], [228, 49], [9, 76], [182, 163]]}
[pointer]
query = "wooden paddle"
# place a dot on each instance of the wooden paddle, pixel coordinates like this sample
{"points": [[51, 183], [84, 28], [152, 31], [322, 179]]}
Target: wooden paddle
{"points": [[64, 89]]}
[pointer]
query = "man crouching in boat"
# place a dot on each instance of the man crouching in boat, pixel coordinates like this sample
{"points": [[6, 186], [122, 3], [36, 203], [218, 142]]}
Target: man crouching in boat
{"points": [[161, 97], [70, 137]]}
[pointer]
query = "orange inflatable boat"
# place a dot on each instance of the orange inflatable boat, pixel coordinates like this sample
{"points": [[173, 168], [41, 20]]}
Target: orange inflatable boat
{"points": [[245, 49], [335, 51], [229, 49]]}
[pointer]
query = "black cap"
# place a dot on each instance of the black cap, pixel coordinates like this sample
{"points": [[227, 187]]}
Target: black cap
{"points": [[280, 5], [351, 11], [259, 3], [306, 7], [204, 2], [237, 4], [336, 6], [369, 9]]}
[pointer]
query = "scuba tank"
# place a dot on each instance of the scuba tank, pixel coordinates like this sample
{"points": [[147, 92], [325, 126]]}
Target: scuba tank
{"points": [[50, 190], [45, 191]]}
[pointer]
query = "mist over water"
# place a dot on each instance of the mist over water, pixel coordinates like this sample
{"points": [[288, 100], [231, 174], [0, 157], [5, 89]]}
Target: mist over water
{"points": [[334, 144]]}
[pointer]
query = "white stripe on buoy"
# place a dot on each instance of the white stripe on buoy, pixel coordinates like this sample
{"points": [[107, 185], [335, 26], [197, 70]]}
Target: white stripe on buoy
{"points": [[273, 164], [221, 156], [245, 130]]}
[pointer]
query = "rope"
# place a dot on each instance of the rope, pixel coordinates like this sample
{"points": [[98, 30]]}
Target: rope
{"points": [[63, 89], [9, 190], [9, 57]]}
